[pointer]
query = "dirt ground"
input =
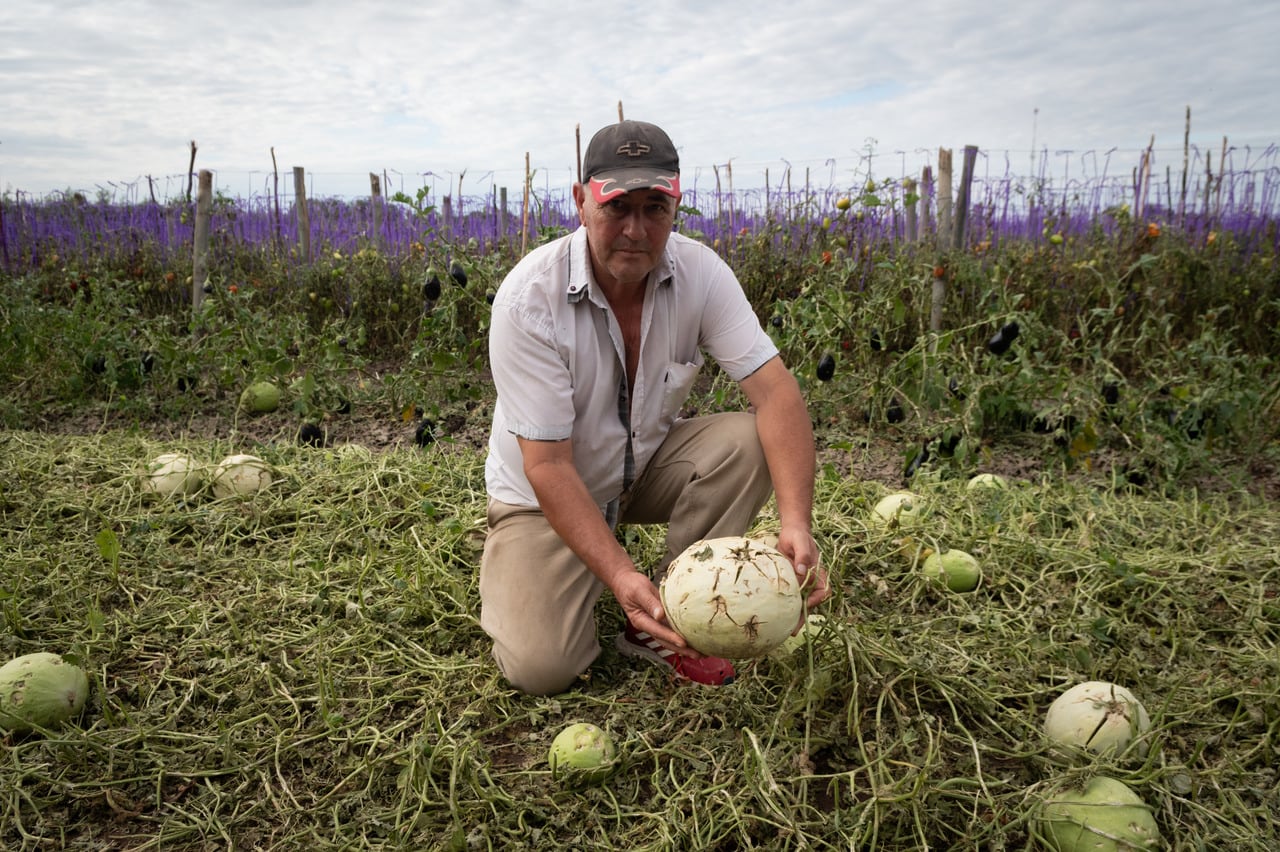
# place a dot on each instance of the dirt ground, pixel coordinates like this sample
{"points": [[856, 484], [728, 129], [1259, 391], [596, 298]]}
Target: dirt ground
{"points": [[860, 450]]}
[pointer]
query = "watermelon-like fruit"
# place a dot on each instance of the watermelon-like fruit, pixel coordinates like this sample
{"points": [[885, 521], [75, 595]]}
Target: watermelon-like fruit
{"points": [[40, 689], [732, 597]]}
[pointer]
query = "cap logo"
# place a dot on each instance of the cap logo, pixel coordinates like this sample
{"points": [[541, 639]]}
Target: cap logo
{"points": [[633, 148]]}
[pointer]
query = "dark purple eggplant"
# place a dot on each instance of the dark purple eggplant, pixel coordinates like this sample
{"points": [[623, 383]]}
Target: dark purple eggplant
{"points": [[826, 367], [425, 434], [457, 273], [1003, 339], [431, 287], [310, 435]]}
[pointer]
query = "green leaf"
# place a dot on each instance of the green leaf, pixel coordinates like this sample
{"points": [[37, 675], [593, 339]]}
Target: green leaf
{"points": [[108, 545]]}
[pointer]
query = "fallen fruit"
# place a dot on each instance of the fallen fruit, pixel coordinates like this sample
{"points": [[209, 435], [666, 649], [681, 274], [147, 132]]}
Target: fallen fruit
{"points": [[582, 752], [1096, 716], [240, 475], [260, 398], [172, 474], [957, 570], [986, 480], [40, 690], [900, 509], [1106, 816]]}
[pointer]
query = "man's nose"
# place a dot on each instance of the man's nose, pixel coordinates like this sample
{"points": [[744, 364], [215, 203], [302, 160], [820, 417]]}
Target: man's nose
{"points": [[633, 222]]}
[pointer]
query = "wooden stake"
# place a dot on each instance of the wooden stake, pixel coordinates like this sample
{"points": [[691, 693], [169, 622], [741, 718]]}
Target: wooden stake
{"points": [[278, 236], [300, 207], [620, 119], [524, 214], [200, 251], [1186, 155], [944, 199], [375, 201], [962, 198], [191, 166], [577, 141]]}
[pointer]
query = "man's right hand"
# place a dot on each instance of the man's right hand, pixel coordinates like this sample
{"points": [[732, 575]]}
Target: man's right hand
{"points": [[641, 604]]}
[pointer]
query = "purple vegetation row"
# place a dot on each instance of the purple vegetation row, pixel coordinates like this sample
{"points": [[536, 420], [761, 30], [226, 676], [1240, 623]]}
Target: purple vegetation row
{"points": [[1244, 201]]}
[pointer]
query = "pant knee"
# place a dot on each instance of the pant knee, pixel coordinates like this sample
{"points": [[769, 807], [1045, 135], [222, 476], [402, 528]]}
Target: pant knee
{"points": [[537, 674]]}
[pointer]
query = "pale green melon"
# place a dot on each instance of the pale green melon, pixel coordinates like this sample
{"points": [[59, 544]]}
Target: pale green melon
{"points": [[40, 689], [1106, 816], [260, 398], [582, 752]]}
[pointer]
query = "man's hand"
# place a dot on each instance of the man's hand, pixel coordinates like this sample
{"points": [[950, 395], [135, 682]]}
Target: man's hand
{"points": [[641, 604], [800, 548]]}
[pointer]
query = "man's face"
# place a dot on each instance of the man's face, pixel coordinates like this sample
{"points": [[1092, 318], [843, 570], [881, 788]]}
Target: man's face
{"points": [[627, 234]]}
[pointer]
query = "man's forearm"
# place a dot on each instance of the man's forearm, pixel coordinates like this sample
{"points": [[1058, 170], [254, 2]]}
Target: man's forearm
{"points": [[575, 517]]}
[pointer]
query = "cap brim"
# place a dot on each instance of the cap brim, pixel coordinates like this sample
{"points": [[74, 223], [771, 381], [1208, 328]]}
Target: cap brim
{"points": [[611, 184]]}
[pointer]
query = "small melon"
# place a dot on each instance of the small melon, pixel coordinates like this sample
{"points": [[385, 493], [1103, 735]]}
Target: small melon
{"points": [[242, 475], [260, 398], [582, 752], [172, 474]]}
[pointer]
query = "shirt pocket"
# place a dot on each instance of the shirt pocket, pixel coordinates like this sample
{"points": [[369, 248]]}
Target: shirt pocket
{"points": [[677, 385]]}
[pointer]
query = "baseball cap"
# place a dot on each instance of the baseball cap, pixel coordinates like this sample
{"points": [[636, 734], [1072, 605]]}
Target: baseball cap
{"points": [[631, 155]]}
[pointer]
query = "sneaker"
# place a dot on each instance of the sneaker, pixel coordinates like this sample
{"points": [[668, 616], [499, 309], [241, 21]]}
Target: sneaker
{"points": [[711, 671]]}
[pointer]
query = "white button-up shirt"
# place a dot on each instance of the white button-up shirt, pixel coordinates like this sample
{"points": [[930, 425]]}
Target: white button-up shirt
{"points": [[557, 358]]}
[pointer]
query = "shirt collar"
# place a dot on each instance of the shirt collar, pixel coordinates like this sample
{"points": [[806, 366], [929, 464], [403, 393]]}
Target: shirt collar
{"points": [[579, 287]]}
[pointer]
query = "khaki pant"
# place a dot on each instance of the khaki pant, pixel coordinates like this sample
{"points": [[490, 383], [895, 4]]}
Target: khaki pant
{"points": [[537, 599]]}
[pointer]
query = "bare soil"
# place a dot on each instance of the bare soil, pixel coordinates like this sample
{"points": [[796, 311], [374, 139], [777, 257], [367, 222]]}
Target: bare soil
{"points": [[866, 451]]}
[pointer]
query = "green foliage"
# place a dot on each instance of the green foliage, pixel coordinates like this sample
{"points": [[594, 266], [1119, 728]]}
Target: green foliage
{"points": [[1183, 328]]}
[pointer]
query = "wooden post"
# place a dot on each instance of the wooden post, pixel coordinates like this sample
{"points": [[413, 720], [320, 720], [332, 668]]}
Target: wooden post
{"points": [[277, 233], [962, 198], [926, 200], [4, 241], [502, 215], [1144, 181], [938, 296], [446, 215], [944, 199], [300, 207], [1186, 156], [524, 213], [375, 202], [191, 166], [200, 253], [620, 119]]}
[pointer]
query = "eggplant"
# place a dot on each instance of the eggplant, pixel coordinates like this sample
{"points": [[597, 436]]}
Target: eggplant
{"points": [[425, 434], [431, 287], [826, 367], [457, 273], [311, 435], [914, 464], [1003, 339]]}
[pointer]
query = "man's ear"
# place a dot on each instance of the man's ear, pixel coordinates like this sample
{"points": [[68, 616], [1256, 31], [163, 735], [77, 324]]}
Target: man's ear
{"points": [[580, 200]]}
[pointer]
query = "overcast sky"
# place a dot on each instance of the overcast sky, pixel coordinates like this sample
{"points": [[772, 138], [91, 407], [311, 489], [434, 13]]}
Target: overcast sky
{"points": [[102, 94]]}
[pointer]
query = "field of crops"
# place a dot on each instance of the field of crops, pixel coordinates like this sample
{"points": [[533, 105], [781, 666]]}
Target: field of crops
{"points": [[303, 667]]}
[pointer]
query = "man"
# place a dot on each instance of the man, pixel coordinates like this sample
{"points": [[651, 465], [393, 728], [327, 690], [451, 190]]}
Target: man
{"points": [[595, 342]]}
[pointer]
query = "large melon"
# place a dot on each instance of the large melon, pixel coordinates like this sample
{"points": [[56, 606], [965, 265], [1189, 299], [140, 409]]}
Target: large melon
{"points": [[732, 597]]}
